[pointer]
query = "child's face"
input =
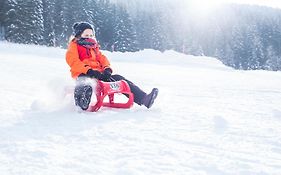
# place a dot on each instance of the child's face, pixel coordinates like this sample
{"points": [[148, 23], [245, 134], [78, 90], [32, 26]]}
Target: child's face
{"points": [[88, 33]]}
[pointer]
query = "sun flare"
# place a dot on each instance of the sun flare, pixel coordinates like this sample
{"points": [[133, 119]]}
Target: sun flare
{"points": [[203, 6]]}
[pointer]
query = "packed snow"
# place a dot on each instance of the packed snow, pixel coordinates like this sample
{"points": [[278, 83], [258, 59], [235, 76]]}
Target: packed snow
{"points": [[208, 118]]}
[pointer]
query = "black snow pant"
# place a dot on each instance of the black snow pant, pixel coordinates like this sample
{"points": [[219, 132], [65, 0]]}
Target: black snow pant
{"points": [[138, 93]]}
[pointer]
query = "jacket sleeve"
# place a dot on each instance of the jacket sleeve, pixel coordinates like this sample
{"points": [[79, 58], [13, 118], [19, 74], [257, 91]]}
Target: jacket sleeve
{"points": [[72, 59]]}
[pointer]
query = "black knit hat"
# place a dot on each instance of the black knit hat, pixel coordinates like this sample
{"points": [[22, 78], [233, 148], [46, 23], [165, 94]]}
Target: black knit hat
{"points": [[79, 27]]}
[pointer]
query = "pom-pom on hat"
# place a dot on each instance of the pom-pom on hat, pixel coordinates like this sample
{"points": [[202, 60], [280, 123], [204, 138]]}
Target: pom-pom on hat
{"points": [[79, 27]]}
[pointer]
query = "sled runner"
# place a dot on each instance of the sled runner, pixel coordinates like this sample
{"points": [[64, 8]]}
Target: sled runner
{"points": [[109, 89]]}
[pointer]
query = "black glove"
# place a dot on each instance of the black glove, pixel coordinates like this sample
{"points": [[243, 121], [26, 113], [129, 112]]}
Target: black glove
{"points": [[107, 73], [94, 74]]}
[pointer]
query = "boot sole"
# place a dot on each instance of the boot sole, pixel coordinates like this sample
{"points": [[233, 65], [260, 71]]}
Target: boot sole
{"points": [[86, 98], [153, 97]]}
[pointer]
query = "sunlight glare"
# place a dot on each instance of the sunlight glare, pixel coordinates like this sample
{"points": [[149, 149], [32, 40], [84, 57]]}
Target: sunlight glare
{"points": [[203, 7]]}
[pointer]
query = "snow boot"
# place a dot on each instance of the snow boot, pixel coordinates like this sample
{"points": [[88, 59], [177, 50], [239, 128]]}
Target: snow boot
{"points": [[148, 100], [82, 96]]}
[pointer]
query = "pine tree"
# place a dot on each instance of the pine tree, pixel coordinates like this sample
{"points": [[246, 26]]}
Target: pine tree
{"points": [[25, 21], [36, 20], [89, 11], [2, 12], [71, 13], [257, 59], [237, 45], [140, 25], [104, 21], [2, 19], [124, 34], [273, 61], [49, 22], [59, 24], [144, 24], [13, 23], [157, 37]]}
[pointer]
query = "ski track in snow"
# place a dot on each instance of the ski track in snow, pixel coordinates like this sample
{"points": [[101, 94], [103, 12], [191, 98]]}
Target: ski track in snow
{"points": [[207, 119]]}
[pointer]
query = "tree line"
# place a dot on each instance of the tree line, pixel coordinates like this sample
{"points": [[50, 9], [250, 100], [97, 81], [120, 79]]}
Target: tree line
{"points": [[241, 36]]}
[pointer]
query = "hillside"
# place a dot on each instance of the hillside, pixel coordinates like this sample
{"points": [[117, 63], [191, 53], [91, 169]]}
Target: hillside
{"points": [[208, 118]]}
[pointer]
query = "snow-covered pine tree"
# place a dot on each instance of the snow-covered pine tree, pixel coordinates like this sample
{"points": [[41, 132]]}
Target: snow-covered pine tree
{"points": [[140, 26], [143, 24], [71, 13], [104, 21], [59, 24], [49, 22], [273, 62], [2, 19], [124, 34], [25, 21], [157, 37], [2, 11]]}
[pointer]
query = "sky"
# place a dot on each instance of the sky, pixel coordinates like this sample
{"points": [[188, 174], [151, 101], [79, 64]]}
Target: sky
{"points": [[270, 3], [203, 7]]}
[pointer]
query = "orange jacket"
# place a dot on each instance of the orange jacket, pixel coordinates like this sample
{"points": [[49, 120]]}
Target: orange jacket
{"points": [[81, 59]]}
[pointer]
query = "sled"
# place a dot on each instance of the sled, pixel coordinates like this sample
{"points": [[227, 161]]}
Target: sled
{"points": [[109, 89]]}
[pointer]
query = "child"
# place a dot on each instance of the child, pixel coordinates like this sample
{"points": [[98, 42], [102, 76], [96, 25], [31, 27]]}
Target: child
{"points": [[86, 61]]}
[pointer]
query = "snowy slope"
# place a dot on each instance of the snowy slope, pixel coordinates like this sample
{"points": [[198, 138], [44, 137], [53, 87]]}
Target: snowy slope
{"points": [[208, 119]]}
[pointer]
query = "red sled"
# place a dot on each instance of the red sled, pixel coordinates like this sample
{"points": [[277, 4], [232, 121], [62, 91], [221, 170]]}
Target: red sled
{"points": [[104, 89]]}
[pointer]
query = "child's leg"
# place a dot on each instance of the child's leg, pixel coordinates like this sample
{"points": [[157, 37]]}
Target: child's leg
{"points": [[138, 93]]}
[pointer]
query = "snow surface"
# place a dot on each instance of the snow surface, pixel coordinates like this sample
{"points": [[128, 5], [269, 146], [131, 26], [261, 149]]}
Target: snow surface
{"points": [[208, 118]]}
